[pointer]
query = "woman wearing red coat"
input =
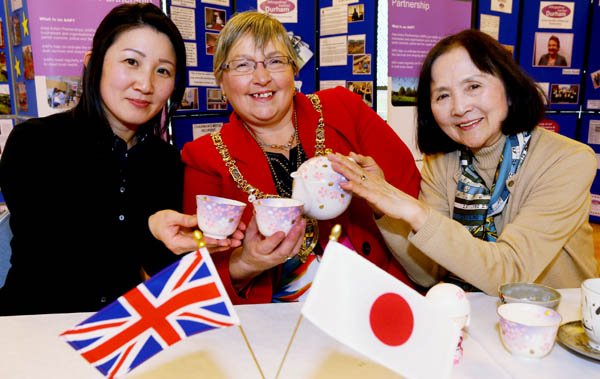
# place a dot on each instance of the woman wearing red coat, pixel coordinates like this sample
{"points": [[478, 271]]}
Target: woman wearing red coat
{"points": [[272, 131]]}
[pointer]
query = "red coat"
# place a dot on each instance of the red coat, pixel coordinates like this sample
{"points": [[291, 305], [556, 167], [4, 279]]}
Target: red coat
{"points": [[350, 125]]}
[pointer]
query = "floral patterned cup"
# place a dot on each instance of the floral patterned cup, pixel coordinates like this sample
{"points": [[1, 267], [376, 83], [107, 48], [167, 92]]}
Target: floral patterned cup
{"points": [[275, 214], [218, 217], [528, 330]]}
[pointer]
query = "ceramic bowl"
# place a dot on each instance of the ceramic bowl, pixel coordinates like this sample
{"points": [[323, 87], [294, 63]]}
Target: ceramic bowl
{"points": [[530, 293], [318, 187], [218, 217], [528, 330], [276, 214]]}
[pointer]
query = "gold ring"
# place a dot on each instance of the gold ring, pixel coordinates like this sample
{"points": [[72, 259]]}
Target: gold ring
{"points": [[363, 178]]}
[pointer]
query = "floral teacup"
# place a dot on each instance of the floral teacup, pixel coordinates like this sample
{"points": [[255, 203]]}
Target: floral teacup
{"points": [[218, 217], [277, 214]]}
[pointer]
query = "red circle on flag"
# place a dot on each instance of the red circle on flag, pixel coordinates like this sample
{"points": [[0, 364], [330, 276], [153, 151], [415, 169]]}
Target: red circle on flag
{"points": [[391, 319]]}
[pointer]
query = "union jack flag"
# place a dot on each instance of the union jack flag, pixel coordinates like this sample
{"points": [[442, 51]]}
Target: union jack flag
{"points": [[185, 298]]}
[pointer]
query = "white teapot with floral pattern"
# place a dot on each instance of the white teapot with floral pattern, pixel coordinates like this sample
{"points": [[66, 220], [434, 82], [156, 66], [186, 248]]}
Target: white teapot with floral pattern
{"points": [[318, 187]]}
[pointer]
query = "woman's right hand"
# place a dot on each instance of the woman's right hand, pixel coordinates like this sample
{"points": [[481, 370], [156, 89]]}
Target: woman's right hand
{"points": [[260, 253], [366, 180]]}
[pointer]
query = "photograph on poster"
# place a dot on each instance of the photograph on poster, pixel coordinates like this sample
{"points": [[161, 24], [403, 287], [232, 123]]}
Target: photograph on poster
{"points": [[404, 91], [356, 12], [552, 49], [22, 97], [5, 107], [16, 29], [595, 79], [214, 100], [214, 19], [356, 44], [63, 92], [190, 99], [303, 51], [564, 93], [361, 64], [28, 62], [364, 89], [3, 69], [211, 43]]}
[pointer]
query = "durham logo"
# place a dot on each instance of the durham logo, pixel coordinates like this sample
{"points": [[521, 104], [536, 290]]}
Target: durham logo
{"points": [[556, 11], [277, 6]]}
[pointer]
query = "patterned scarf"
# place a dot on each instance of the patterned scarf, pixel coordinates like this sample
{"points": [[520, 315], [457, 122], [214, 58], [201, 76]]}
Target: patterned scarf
{"points": [[475, 206]]}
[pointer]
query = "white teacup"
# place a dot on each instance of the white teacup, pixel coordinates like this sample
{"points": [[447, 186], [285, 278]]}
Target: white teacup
{"points": [[277, 214], [218, 217], [590, 310]]}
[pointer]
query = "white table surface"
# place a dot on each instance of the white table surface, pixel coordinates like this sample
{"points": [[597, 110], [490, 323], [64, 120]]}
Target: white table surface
{"points": [[30, 348]]}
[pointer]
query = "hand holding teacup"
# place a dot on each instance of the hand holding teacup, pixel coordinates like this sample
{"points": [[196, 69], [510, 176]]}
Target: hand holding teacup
{"points": [[260, 253]]}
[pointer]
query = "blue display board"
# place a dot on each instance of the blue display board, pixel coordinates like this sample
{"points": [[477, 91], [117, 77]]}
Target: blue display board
{"points": [[562, 123], [508, 18], [22, 61], [590, 135], [592, 79], [186, 128], [359, 71], [555, 26], [202, 94], [7, 96]]}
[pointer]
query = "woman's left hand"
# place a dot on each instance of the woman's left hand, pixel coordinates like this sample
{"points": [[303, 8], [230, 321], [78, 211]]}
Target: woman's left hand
{"points": [[176, 231], [366, 180]]}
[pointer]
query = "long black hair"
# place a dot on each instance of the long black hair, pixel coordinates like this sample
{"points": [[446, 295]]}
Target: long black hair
{"points": [[121, 19]]}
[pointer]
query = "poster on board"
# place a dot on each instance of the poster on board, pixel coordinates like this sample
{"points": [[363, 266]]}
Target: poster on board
{"points": [[60, 36], [415, 27]]}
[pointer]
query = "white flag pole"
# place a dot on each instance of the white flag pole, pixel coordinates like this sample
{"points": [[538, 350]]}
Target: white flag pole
{"points": [[336, 231], [202, 245]]}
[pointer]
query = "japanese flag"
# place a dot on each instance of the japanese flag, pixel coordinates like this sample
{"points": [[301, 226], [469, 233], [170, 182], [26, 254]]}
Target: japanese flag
{"points": [[372, 312]]}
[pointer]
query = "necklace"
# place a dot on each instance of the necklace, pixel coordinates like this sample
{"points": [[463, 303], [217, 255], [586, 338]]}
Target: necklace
{"points": [[311, 234], [281, 190], [286, 147]]}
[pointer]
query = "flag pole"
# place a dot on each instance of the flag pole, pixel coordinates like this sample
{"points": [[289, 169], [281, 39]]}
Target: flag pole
{"points": [[202, 245], [288, 347], [251, 352], [336, 231]]}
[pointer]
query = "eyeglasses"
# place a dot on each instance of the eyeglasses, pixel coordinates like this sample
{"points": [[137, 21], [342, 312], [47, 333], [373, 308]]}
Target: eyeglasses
{"points": [[247, 66]]}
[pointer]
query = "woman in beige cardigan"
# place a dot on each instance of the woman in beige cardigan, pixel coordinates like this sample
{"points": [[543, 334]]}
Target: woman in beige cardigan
{"points": [[501, 200]]}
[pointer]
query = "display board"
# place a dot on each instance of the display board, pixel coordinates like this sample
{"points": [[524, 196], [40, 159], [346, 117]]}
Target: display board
{"points": [[347, 46], [590, 134], [500, 19], [592, 78], [552, 46]]}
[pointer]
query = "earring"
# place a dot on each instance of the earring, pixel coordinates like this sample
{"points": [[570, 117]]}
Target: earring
{"points": [[224, 97]]}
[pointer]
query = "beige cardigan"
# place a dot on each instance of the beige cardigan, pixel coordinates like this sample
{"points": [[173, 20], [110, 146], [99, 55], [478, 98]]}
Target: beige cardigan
{"points": [[544, 233]]}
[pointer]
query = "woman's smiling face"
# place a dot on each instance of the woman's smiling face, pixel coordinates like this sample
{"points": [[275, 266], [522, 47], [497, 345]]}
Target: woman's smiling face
{"points": [[260, 98], [468, 104], [138, 76]]}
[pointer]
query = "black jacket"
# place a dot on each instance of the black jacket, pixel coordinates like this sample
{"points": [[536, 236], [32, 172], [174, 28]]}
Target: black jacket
{"points": [[79, 213]]}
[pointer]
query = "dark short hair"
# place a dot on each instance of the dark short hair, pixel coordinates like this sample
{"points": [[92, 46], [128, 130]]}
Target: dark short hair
{"points": [[555, 39], [525, 100], [121, 19]]}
